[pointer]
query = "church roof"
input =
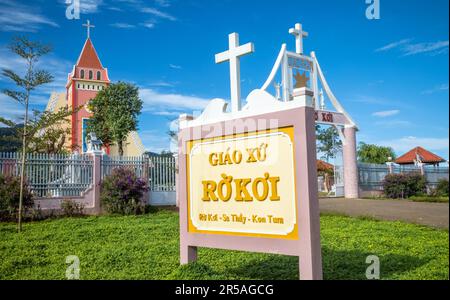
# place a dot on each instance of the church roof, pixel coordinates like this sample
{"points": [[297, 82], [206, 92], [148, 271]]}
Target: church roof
{"points": [[324, 166], [425, 156], [88, 57]]}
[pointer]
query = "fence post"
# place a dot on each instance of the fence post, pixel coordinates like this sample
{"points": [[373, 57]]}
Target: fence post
{"points": [[177, 181], [390, 168], [97, 179], [146, 175]]}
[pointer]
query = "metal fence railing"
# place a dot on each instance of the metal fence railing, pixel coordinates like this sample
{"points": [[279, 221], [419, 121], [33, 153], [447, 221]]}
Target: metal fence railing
{"points": [[435, 174], [137, 163], [371, 176], [162, 174], [49, 175], [159, 170]]}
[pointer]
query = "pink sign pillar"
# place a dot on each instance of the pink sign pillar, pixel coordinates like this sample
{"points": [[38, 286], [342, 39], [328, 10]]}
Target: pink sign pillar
{"points": [[351, 189]]}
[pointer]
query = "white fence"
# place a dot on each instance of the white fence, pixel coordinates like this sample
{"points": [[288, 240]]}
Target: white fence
{"points": [[56, 176], [371, 176], [51, 175]]}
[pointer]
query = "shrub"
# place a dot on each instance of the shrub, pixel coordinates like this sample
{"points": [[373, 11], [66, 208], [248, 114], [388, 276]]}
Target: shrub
{"points": [[9, 197], [71, 208], [442, 188], [122, 192], [404, 185]]}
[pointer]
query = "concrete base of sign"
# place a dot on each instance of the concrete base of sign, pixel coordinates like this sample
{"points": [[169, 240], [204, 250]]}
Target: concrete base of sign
{"points": [[306, 242]]}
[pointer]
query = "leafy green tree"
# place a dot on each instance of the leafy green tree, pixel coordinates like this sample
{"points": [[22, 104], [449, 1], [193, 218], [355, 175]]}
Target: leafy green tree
{"points": [[328, 141], [31, 52], [115, 112], [374, 154], [46, 132]]}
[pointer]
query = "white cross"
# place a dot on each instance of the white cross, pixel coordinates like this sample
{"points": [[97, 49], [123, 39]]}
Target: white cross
{"points": [[233, 56], [299, 34], [89, 26]]}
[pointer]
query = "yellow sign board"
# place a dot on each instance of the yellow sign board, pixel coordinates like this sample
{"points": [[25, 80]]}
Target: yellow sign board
{"points": [[243, 185]]}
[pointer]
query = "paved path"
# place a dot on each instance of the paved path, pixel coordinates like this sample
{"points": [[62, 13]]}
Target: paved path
{"points": [[431, 214]]}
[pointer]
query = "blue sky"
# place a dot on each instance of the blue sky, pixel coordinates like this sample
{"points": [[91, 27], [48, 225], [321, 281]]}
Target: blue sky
{"points": [[390, 74]]}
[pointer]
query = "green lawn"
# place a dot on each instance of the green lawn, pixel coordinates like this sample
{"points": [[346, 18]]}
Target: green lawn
{"points": [[146, 247]]}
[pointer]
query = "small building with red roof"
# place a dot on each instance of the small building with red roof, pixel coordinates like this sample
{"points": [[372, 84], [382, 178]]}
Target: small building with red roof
{"points": [[419, 155]]}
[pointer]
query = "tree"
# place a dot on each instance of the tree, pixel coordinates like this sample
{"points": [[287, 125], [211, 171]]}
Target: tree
{"points": [[328, 141], [31, 52], [115, 112], [10, 140], [374, 154], [46, 132]]}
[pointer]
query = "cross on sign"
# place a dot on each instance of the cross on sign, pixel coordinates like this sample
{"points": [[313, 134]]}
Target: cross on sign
{"points": [[299, 34], [233, 56], [89, 26]]}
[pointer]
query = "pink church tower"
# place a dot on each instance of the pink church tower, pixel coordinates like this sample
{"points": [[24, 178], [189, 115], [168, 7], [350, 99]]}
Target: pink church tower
{"points": [[87, 78]]}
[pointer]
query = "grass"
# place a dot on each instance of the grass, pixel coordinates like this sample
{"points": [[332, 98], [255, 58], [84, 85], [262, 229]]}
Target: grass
{"points": [[146, 247], [430, 199], [435, 199]]}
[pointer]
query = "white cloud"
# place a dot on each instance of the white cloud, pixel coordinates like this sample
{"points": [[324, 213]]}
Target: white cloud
{"points": [[393, 45], [123, 25], [18, 17], [176, 67], [438, 46], [149, 24], [155, 101], [439, 88], [90, 6], [158, 13], [407, 48], [386, 113], [162, 83], [394, 123], [163, 3], [155, 140], [407, 143]]}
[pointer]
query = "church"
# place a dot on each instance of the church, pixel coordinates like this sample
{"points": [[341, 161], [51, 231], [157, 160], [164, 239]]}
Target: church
{"points": [[87, 78]]}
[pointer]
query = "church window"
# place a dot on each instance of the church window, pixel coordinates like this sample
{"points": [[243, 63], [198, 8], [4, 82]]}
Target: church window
{"points": [[90, 75], [82, 74], [99, 75], [83, 86], [78, 85]]}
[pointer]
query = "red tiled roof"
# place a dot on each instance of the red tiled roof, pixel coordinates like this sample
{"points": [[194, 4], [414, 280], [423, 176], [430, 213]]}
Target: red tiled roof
{"points": [[425, 155], [324, 166], [88, 57]]}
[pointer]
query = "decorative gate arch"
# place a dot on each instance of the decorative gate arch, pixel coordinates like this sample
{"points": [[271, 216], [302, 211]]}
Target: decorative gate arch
{"points": [[307, 73]]}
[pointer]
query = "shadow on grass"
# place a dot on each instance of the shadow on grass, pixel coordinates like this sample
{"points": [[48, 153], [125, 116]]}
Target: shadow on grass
{"points": [[337, 265]]}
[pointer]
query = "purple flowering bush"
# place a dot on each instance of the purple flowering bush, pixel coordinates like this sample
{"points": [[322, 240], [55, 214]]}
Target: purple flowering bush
{"points": [[404, 185], [122, 192]]}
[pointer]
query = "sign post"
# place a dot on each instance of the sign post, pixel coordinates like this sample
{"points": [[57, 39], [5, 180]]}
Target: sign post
{"points": [[252, 187]]}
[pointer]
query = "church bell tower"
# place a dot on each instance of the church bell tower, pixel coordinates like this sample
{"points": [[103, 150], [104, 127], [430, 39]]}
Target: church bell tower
{"points": [[87, 78]]}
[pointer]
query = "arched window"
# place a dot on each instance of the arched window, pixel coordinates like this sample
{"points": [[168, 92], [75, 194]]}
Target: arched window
{"points": [[99, 75], [82, 74], [91, 75]]}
